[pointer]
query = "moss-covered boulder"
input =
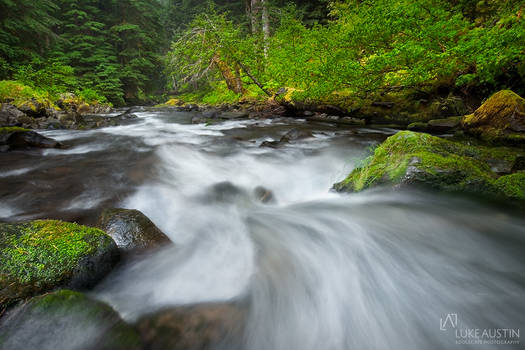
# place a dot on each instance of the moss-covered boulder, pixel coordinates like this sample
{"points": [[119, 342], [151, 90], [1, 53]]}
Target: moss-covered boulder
{"points": [[421, 159], [132, 230], [19, 138], [500, 119], [66, 320], [42, 255]]}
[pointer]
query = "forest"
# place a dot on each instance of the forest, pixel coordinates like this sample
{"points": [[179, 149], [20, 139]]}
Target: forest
{"points": [[140, 51]]}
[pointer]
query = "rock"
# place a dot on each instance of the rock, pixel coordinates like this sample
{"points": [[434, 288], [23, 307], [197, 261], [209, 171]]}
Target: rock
{"points": [[292, 135], [501, 119], [234, 115], [410, 158], [224, 192], [193, 327], [351, 121], [387, 105], [66, 320], [33, 108], [296, 134], [42, 255], [264, 195], [132, 230], [418, 126], [10, 115], [443, 125], [16, 138]]}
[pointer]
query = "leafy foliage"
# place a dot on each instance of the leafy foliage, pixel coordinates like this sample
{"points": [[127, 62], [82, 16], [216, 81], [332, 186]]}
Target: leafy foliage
{"points": [[368, 47]]}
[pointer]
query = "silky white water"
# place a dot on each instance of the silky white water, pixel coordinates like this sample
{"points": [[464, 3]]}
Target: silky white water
{"points": [[316, 269]]}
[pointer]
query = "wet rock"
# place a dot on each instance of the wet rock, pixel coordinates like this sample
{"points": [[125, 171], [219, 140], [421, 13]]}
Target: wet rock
{"points": [[224, 192], [193, 327], [264, 195], [410, 158], [501, 119], [296, 134], [132, 230], [19, 138], [42, 255], [66, 320]]}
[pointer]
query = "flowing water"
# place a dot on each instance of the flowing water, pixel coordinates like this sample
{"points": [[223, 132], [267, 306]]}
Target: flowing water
{"points": [[317, 270]]}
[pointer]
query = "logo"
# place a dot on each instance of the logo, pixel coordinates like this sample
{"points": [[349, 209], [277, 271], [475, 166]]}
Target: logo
{"points": [[478, 336], [450, 321]]}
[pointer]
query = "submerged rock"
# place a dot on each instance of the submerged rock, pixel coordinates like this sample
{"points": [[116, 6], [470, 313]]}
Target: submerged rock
{"points": [[500, 119], [66, 320], [42, 255], [292, 135], [17, 138], [421, 159], [264, 195], [193, 327], [132, 230]]}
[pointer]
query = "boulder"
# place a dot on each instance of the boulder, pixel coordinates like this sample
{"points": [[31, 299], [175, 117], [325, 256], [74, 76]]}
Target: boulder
{"points": [[500, 119], [42, 255], [132, 230], [193, 327], [66, 320], [410, 158], [33, 108], [10, 115], [17, 138]]}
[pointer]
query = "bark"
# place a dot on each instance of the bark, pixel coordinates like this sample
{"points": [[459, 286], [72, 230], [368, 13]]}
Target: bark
{"points": [[254, 15], [233, 80], [265, 25]]}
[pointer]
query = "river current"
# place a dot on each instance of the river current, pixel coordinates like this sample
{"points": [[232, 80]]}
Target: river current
{"points": [[380, 269]]}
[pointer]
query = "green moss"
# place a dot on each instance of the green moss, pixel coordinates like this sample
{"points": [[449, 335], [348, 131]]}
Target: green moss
{"points": [[10, 129], [69, 312], [42, 254], [409, 157], [499, 119], [513, 185]]}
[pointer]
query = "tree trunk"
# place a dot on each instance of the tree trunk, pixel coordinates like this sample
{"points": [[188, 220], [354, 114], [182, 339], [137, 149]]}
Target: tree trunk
{"points": [[254, 15], [233, 81], [265, 25]]}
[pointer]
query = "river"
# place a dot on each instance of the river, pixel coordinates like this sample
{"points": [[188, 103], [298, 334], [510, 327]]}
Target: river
{"points": [[318, 270]]}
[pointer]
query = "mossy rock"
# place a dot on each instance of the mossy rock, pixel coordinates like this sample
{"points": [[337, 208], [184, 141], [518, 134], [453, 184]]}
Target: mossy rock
{"points": [[421, 159], [500, 119], [132, 230], [66, 320], [42, 255]]}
